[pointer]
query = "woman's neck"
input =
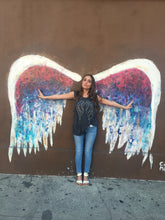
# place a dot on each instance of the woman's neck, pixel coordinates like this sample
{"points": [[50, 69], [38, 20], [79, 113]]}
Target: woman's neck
{"points": [[85, 93]]}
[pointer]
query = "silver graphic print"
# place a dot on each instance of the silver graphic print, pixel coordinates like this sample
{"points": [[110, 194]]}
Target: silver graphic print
{"points": [[85, 106]]}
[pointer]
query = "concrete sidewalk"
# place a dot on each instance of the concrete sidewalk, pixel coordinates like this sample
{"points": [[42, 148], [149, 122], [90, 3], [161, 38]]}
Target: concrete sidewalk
{"points": [[56, 197]]}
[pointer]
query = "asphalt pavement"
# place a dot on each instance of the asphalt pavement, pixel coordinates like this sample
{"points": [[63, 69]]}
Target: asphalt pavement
{"points": [[26, 197]]}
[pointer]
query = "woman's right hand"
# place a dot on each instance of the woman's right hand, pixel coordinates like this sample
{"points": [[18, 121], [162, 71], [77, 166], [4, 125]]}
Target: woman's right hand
{"points": [[41, 95]]}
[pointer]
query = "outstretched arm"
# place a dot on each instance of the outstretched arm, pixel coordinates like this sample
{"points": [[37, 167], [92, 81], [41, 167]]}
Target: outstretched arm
{"points": [[114, 104], [69, 95]]}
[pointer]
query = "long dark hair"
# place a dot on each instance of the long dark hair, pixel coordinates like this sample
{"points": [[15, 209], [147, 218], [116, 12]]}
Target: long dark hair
{"points": [[92, 92]]}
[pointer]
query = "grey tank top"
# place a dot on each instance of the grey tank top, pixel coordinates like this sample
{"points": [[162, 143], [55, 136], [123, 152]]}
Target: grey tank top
{"points": [[84, 115]]}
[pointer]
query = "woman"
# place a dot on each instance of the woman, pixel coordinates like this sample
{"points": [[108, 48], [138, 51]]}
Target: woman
{"points": [[85, 122]]}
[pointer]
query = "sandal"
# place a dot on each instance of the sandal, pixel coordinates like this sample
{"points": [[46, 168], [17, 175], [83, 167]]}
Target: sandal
{"points": [[79, 182], [86, 182]]}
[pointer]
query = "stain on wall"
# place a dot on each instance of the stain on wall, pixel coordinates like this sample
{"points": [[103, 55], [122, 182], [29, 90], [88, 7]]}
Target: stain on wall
{"points": [[84, 37]]}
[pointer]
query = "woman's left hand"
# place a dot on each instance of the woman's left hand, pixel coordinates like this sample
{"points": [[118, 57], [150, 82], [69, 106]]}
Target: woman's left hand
{"points": [[128, 106]]}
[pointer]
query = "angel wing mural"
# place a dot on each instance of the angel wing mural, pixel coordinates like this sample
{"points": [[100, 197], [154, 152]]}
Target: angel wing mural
{"points": [[137, 80], [34, 120]]}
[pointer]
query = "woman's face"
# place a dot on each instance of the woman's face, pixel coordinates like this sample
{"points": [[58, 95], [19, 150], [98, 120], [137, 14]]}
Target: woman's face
{"points": [[87, 82]]}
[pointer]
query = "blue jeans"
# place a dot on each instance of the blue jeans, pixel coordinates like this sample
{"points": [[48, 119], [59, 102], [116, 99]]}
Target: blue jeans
{"points": [[84, 142]]}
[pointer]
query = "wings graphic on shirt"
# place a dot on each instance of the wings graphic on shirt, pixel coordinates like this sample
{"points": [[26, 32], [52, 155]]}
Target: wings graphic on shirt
{"points": [[84, 106], [34, 120]]}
